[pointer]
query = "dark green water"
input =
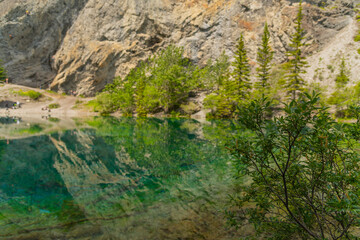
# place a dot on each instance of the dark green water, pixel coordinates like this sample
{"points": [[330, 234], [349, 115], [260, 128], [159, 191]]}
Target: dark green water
{"points": [[118, 179]]}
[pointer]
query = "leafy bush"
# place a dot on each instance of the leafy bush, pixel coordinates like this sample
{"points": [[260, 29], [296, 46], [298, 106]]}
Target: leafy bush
{"points": [[105, 103], [54, 120], [343, 77], [220, 106], [94, 105], [54, 105], [51, 92], [33, 129], [357, 38], [31, 94], [162, 83], [304, 172], [189, 108], [171, 76]]}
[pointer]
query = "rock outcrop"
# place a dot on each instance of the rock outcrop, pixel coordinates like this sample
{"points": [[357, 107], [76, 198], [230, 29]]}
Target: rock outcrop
{"points": [[82, 45], [28, 40]]}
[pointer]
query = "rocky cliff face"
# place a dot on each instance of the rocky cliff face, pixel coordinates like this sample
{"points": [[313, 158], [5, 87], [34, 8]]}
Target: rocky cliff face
{"points": [[28, 41], [81, 45]]}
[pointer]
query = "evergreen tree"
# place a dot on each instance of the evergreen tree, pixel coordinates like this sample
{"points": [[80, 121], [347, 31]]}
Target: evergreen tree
{"points": [[219, 70], [297, 63], [214, 74], [230, 92], [3, 75], [140, 97], [342, 78], [240, 85], [264, 58]]}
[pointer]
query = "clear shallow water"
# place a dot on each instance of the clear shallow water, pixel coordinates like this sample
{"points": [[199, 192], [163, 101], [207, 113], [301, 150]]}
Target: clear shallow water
{"points": [[115, 178]]}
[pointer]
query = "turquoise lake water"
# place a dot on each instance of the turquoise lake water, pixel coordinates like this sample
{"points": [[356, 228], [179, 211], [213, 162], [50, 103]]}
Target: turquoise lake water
{"points": [[115, 178]]}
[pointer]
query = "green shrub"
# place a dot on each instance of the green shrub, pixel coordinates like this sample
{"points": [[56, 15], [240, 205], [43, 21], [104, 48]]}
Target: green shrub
{"points": [[54, 120], [54, 105], [303, 169], [31, 94], [93, 105], [330, 67], [357, 38], [160, 84], [189, 108], [342, 78], [51, 91], [33, 129], [219, 105]]}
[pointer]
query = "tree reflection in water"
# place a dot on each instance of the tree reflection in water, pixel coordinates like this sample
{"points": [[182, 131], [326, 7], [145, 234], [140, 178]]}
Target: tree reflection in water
{"points": [[123, 178]]}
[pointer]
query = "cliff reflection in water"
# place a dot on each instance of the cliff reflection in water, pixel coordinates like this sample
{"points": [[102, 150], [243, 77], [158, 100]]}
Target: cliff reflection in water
{"points": [[119, 178]]}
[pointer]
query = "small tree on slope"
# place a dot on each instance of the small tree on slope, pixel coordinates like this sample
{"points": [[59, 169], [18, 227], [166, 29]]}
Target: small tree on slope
{"points": [[342, 78], [240, 85], [264, 58], [295, 83]]}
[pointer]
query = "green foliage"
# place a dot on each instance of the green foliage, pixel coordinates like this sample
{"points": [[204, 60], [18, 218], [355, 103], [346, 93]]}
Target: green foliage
{"points": [[344, 97], [318, 88], [142, 102], [214, 74], [34, 95], [275, 84], [54, 120], [357, 38], [233, 91], [54, 105], [264, 58], [120, 94], [33, 129], [295, 83], [220, 105], [160, 147], [343, 77], [354, 112], [189, 108], [94, 105], [3, 74], [240, 85], [304, 172], [162, 83], [105, 103], [331, 68], [51, 92], [171, 75]]}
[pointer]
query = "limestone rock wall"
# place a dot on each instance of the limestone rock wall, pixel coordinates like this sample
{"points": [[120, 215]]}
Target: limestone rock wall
{"points": [[82, 45], [28, 41]]}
